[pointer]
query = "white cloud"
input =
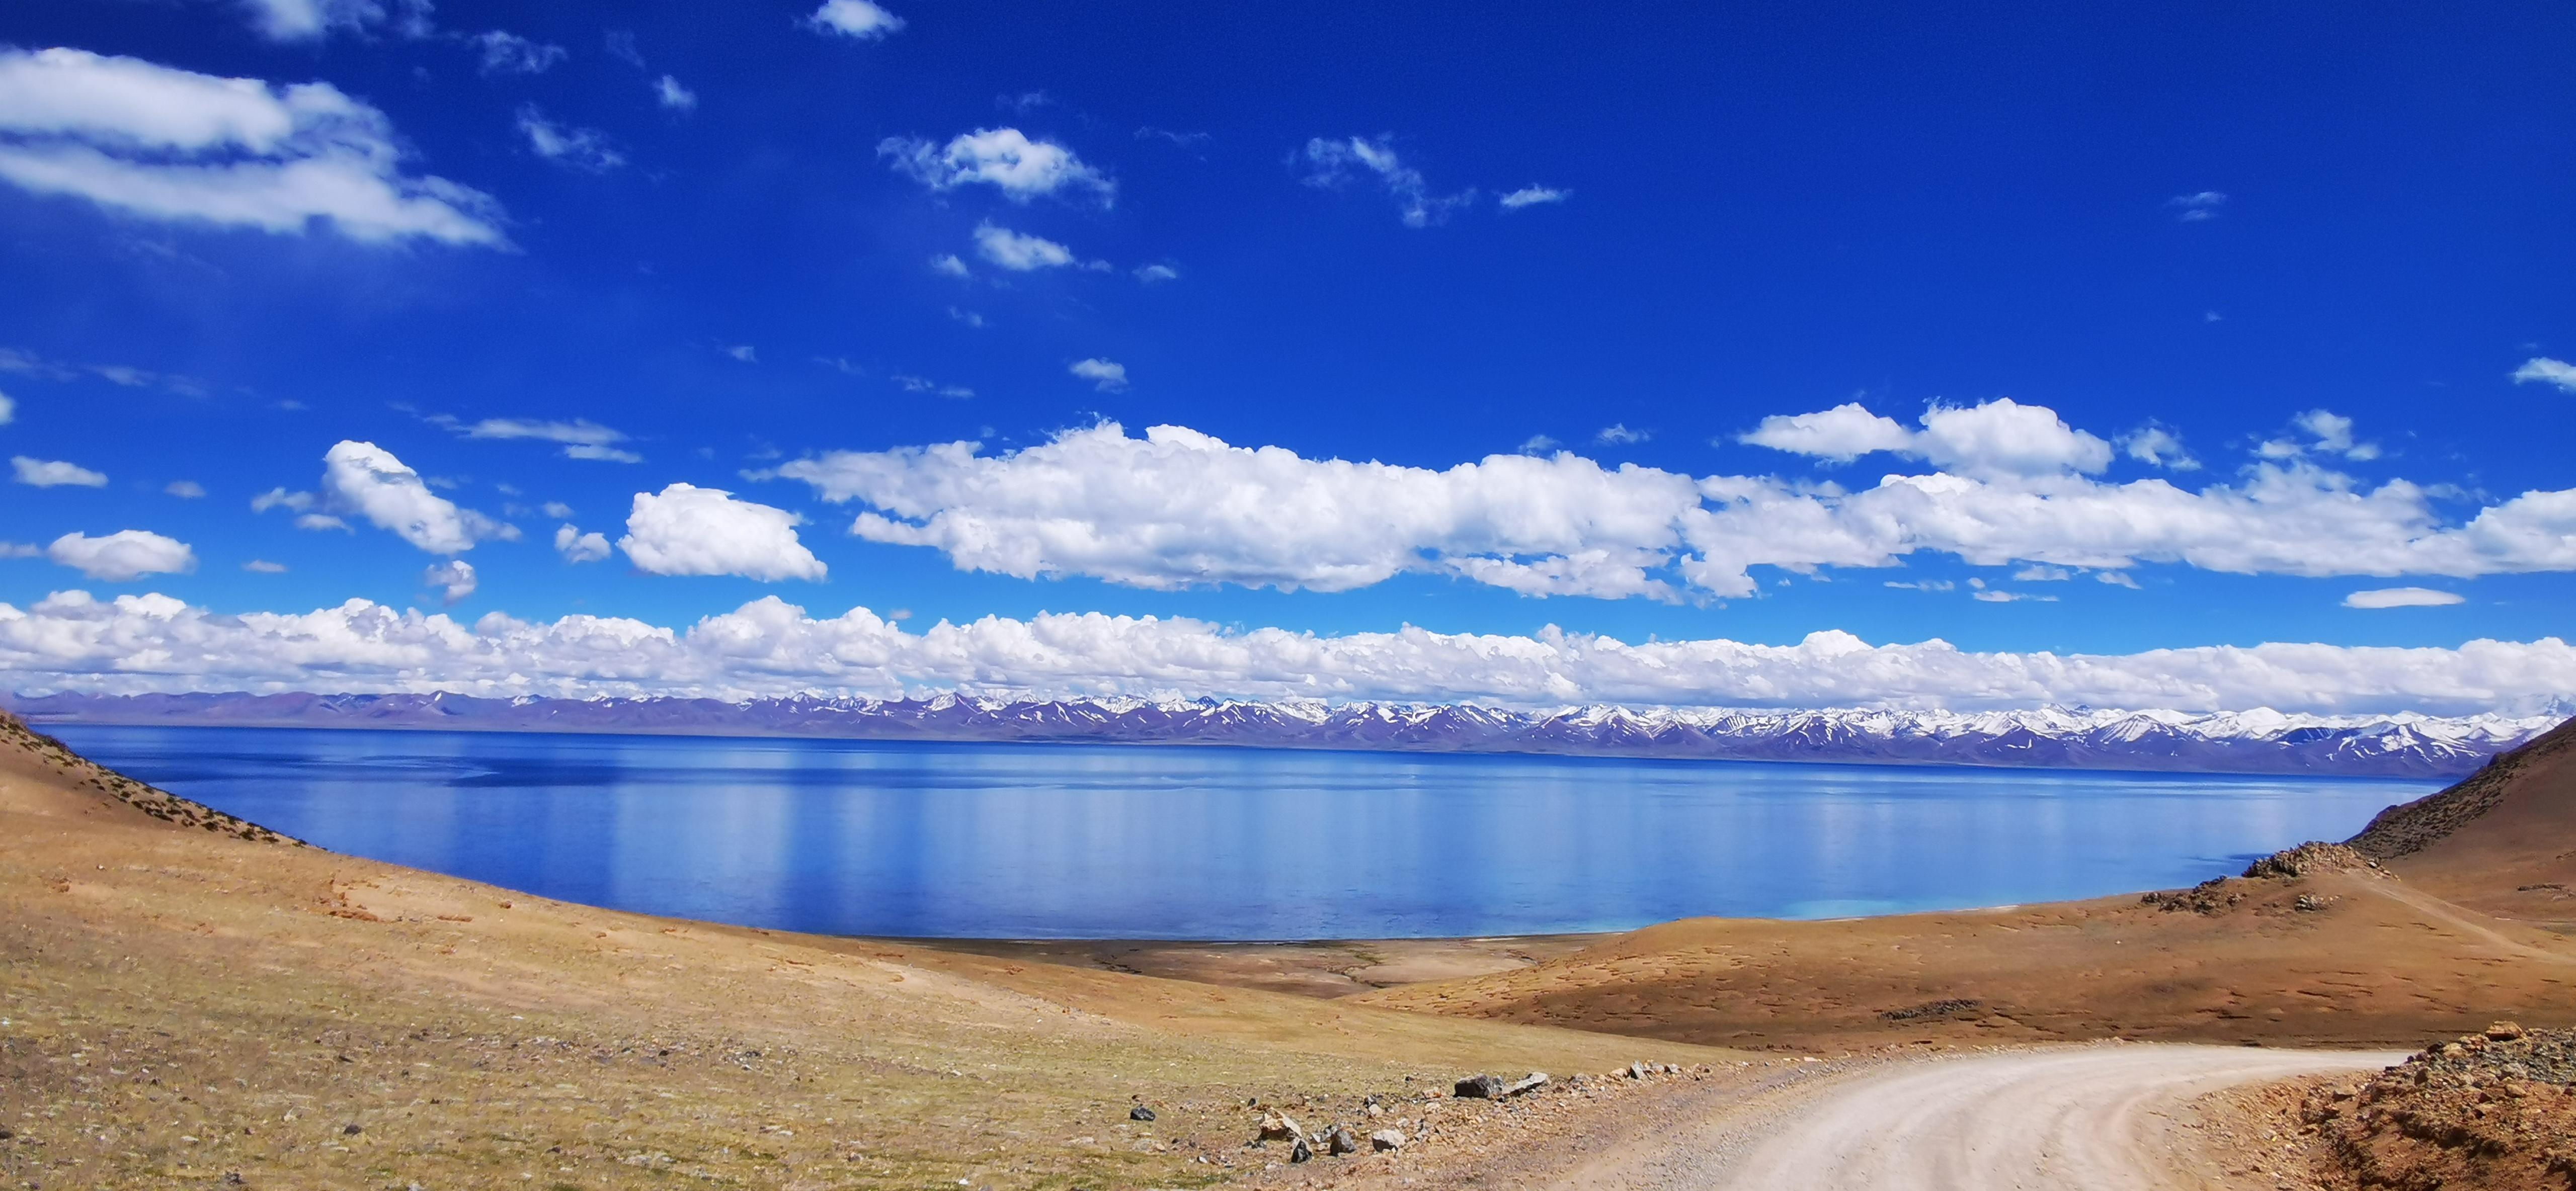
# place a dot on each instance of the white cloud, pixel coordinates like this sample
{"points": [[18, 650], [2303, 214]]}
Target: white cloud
{"points": [[1539, 444], [968, 317], [452, 579], [1841, 434], [185, 489], [8, 410], [1020, 253], [72, 640], [1176, 508], [555, 509], [276, 498], [1531, 196], [1332, 162], [1155, 274], [2036, 573], [2402, 597], [319, 522], [2001, 437], [2333, 434], [1003, 158], [363, 478], [124, 555], [581, 437], [2007, 597], [509, 53], [583, 149], [947, 263], [2156, 446], [162, 143], [923, 384], [688, 530], [261, 566], [1108, 376], [744, 353], [306, 20], [672, 95], [54, 473], [855, 18], [576, 546], [2116, 579], [2195, 208], [2547, 371], [1618, 434]]}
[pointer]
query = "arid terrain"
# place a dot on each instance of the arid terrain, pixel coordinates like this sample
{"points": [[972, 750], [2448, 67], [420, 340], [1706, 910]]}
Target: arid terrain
{"points": [[190, 1001]]}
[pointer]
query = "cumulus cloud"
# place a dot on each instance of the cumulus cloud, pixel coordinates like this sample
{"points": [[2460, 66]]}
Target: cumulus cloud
{"points": [[1618, 434], [1177, 507], [855, 19], [1531, 196], [576, 546], [583, 149], [365, 479], [2548, 372], [54, 473], [156, 142], [670, 94], [1838, 435], [2402, 597], [947, 264], [2001, 437], [1108, 376], [1157, 274], [1020, 253], [1002, 158], [509, 53], [452, 579], [122, 556], [2156, 446], [581, 437], [688, 530], [73, 640], [1332, 163]]}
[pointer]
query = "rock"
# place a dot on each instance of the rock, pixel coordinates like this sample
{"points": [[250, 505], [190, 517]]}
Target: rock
{"points": [[1279, 1127], [1480, 1087], [1341, 1142], [2309, 903], [1140, 1113], [1302, 1152], [1530, 1082], [2504, 1031], [1636, 1071], [1386, 1139], [351, 1130]]}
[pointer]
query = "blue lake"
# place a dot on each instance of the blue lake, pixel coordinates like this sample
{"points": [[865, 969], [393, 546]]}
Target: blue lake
{"points": [[1107, 841]]}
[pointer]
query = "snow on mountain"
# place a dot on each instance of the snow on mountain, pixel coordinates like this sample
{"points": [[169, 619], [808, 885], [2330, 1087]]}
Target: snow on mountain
{"points": [[2256, 741]]}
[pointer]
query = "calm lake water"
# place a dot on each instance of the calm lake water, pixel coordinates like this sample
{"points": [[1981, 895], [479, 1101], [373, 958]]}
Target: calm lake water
{"points": [[1107, 841]]}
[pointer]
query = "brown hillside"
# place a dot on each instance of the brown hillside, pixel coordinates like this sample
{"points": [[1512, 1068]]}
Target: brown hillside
{"points": [[185, 997], [2444, 914], [2502, 841]]}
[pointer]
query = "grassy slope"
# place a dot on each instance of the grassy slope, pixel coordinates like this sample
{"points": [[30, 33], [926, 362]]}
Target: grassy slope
{"points": [[183, 1001]]}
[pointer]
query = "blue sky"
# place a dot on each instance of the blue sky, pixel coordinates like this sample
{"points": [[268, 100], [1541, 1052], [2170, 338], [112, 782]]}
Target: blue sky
{"points": [[715, 244]]}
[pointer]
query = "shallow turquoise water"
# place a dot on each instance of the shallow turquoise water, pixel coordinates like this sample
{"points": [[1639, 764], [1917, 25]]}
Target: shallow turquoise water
{"points": [[1116, 841]]}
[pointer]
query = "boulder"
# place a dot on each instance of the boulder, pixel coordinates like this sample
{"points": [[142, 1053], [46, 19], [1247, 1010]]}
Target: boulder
{"points": [[1341, 1142], [1480, 1087], [1280, 1127]]}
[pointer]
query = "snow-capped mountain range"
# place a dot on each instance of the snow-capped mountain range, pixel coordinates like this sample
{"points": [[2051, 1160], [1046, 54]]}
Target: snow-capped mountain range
{"points": [[2260, 741]]}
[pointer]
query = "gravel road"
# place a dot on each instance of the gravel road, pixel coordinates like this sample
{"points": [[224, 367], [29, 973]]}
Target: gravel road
{"points": [[2098, 1118]]}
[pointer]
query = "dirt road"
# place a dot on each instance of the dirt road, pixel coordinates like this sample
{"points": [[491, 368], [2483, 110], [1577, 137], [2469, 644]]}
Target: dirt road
{"points": [[2097, 1118]]}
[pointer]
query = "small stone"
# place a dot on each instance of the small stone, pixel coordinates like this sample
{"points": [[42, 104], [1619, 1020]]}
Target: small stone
{"points": [[1301, 1152], [1636, 1071], [1527, 1083], [2504, 1031], [1277, 1127], [1480, 1087], [1341, 1142], [351, 1130], [1386, 1139], [1140, 1113]]}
